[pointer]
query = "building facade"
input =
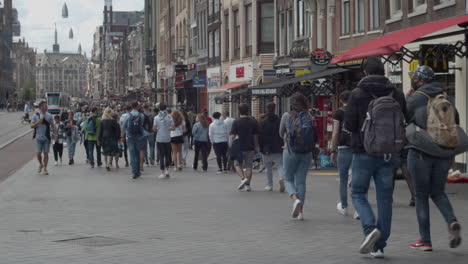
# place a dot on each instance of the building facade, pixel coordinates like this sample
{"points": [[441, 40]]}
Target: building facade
{"points": [[6, 45], [24, 74]]}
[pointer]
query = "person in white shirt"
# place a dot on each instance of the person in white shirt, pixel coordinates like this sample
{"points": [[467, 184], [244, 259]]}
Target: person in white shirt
{"points": [[219, 136]]}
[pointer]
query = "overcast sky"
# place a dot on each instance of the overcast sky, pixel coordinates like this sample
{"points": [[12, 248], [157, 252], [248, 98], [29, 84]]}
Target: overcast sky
{"points": [[37, 18]]}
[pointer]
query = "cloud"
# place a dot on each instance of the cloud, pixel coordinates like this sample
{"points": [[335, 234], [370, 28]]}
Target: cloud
{"points": [[37, 18]]}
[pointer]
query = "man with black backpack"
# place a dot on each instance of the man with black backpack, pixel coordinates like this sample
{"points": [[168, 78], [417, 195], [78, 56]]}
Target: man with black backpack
{"points": [[342, 155], [151, 138], [91, 129], [133, 129], [375, 115], [431, 111], [42, 123]]}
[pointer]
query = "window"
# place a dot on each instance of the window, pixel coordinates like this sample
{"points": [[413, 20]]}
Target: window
{"points": [[395, 7], [211, 44], [300, 18], [248, 30], [236, 34], [281, 35], [374, 15], [216, 46], [290, 31], [308, 23], [444, 2], [211, 7], [267, 27], [345, 18], [359, 15], [417, 5], [226, 36]]}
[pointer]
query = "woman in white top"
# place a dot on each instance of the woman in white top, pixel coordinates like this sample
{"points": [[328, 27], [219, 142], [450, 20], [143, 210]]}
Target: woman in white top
{"points": [[177, 139]]}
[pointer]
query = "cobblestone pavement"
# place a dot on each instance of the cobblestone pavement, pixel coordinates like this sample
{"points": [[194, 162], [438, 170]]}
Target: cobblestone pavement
{"points": [[193, 218]]}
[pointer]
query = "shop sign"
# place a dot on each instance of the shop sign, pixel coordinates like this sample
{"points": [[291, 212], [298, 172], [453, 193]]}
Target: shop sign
{"points": [[395, 71], [269, 76], [199, 81], [240, 72], [434, 56], [181, 68], [214, 80], [321, 57], [266, 91]]}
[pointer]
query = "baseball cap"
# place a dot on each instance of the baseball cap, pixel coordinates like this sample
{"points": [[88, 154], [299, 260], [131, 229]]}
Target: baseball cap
{"points": [[423, 73]]}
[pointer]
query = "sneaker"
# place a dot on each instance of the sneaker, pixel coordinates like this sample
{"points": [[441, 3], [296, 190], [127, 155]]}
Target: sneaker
{"points": [[45, 172], [167, 174], [70, 162], [136, 176], [369, 242], [342, 210], [40, 169], [162, 176], [243, 183], [268, 188], [92, 166], [176, 169], [377, 254], [152, 162], [421, 246], [56, 163], [180, 168], [247, 188], [356, 215], [282, 188], [296, 208], [220, 171], [454, 235], [300, 217]]}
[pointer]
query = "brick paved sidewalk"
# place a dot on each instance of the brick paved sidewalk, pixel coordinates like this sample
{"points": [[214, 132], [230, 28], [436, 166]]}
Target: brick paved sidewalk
{"points": [[193, 218]]}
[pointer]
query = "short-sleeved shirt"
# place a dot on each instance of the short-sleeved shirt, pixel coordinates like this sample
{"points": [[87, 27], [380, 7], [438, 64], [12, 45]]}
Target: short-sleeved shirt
{"points": [[246, 128], [41, 129], [345, 136]]}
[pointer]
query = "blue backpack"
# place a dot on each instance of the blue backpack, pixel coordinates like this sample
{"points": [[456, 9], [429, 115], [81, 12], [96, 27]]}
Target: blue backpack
{"points": [[301, 133], [135, 126], [91, 126]]}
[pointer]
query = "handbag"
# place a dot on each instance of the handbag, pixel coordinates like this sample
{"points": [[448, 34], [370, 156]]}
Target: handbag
{"points": [[419, 139]]}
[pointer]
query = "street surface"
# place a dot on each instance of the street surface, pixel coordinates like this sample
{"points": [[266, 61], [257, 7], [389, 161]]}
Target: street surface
{"points": [[11, 126], [194, 218]]}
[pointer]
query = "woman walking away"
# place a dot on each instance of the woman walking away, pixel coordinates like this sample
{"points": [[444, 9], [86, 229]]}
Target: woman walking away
{"points": [[219, 136], [120, 144], [72, 133], [109, 135], [200, 138], [187, 135], [59, 137], [297, 155], [177, 139]]}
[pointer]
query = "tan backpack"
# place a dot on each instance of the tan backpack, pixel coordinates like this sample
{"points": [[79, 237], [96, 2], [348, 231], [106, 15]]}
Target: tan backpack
{"points": [[441, 125]]}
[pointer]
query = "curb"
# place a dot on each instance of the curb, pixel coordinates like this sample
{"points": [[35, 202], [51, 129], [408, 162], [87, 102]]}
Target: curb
{"points": [[13, 140]]}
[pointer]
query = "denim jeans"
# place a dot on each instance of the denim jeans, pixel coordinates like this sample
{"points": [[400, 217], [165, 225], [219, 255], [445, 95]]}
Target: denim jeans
{"points": [[152, 147], [429, 176], [296, 167], [135, 145], [365, 168], [344, 159], [91, 146], [270, 160], [71, 148]]}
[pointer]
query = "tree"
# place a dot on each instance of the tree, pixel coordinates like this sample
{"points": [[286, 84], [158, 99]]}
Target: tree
{"points": [[27, 92]]}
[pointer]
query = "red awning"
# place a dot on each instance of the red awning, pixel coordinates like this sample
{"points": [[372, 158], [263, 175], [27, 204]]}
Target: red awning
{"points": [[232, 85], [392, 42]]}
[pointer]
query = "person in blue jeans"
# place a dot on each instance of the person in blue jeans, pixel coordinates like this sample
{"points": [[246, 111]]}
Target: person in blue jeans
{"points": [[295, 165], [367, 167], [135, 138], [428, 168], [341, 145]]}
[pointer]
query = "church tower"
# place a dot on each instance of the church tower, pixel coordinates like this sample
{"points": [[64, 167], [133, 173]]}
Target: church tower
{"points": [[56, 46]]}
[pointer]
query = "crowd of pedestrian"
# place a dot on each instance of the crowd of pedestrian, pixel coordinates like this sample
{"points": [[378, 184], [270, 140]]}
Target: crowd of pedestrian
{"points": [[368, 140]]}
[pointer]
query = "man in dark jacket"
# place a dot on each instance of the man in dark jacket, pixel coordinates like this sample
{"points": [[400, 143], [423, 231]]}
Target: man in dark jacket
{"points": [[366, 166], [429, 172], [271, 146]]}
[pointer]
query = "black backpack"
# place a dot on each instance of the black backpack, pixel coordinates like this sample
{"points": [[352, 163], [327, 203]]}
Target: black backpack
{"points": [[47, 124], [135, 126]]}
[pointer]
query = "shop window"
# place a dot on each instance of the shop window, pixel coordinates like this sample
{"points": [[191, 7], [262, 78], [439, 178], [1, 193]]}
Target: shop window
{"points": [[345, 17], [359, 11], [374, 14], [266, 26]]}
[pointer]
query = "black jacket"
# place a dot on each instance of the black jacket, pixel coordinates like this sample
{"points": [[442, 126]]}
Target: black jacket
{"points": [[361, 96], [417, 104], [269, 137], [109, 129]]}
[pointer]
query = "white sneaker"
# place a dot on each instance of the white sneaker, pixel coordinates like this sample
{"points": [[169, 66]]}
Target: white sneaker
{"points": [[300, 217], [247, 188], [369, 242], [296, 208], [243, 183], [342, 210], [175, 169], [268, 188], [56, 163], [162, 176], [356, 215], [377, 254]]}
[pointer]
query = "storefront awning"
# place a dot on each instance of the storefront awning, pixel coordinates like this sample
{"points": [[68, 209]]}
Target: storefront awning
{"points": [[393, 42], [232, 85], [312, 76]]}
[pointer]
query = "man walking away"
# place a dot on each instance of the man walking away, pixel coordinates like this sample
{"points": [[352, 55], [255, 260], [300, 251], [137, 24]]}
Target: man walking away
{"points": [[42, 123], [162, 125], [341, 142], [128, 109], [246, 128], [133, 127], [271, 146], [59, 138], [91, 128], [428, 168], [374, 96], [219, 136], [150, 138]]}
